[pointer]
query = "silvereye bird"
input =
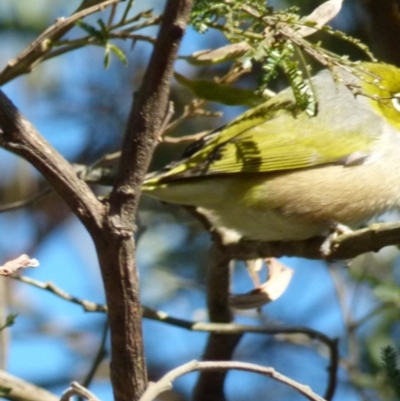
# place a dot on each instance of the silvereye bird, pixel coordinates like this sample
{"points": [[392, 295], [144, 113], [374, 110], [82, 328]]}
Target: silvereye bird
{"points": [[275, 173]]}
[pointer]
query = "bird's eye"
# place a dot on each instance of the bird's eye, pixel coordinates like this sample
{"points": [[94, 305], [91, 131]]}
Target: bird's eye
{"points": [[396, 101]]}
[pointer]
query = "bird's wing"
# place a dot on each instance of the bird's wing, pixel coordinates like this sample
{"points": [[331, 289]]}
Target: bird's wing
{"points": [[273, 137]]}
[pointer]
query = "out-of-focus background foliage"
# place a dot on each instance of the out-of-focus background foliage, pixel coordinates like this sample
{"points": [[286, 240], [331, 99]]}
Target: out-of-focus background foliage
{"points": [[81, 109]]}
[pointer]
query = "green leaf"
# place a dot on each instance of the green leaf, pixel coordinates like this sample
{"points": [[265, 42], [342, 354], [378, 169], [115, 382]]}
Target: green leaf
{"points": [[106, 60], [270, 67], [10, 320], [91, 30], [303, 91], [118, 52], [103, 28], [108, 48], [221, 93], [101, 34]]}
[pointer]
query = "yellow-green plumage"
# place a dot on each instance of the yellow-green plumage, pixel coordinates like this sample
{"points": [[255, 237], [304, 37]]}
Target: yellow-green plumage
{"points": [[275, 173]]}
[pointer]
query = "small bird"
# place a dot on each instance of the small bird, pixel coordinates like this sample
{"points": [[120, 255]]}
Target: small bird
{"points": [[275, 173]]}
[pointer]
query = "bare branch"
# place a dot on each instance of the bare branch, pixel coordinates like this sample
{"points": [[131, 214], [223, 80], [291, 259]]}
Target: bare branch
{"points": [[165, 383], [345, 246], [21, 390], [233, 328], [116, 248], [71, 45], [185, 138], [216, 328], [88, 306]]}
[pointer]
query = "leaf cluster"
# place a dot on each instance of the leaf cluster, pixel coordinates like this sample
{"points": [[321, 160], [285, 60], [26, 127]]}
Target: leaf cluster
{"points": [[103, 37], [275, 41]]}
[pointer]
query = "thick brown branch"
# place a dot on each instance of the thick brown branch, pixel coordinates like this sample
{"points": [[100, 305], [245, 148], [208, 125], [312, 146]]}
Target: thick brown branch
{"points": [[116, 248], [220, 347], [111, 226], [149, 110], [19, 136], [246, 249]]}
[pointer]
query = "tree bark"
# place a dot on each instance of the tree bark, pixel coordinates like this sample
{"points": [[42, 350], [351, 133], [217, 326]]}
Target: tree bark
{"points": [[111, 223], [220, 347], [116, 247]]}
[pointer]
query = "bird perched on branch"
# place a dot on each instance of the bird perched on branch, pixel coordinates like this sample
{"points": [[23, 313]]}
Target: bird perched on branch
{"points": [[275, 173]]}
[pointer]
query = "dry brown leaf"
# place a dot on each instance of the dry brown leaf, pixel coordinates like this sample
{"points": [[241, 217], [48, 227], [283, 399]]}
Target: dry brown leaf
{"points": [[321, 16], [279, 277]]}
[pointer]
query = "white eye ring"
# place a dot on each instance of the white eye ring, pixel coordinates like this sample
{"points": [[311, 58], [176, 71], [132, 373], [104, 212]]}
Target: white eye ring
{"points": [[396, 101]]}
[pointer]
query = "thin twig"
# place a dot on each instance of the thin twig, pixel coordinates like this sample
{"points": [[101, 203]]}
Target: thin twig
{"points": [[67, 46], [80, 391], [188, 112], [31, 55], [233, 328], [25, 202], [165, 383], [126, 34], [194, 108], [216, 328], [99, 357], [112, 15], [378, 310], [151, 21], [126, 11], [162, 317], [167, 119], [88, 306], [186, 138]]}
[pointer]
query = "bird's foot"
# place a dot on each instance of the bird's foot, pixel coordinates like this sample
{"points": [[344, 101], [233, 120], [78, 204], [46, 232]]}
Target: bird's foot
{"points": [[336, 230]]}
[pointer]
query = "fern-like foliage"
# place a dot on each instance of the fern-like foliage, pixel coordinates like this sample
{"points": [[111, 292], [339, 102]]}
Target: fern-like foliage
{"points": [[390, 366], [273, 41]]}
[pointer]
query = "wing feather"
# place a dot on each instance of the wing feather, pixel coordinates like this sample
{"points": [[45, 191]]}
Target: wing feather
{"points": [[277, 136]]}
